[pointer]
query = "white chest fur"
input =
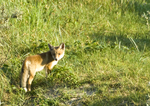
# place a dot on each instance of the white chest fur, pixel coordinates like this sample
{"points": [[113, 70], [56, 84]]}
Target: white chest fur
{"points": [[53, 64], [40, 68]]}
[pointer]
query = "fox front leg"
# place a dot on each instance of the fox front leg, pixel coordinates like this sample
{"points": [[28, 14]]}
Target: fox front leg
{"points": [[47, 71]]}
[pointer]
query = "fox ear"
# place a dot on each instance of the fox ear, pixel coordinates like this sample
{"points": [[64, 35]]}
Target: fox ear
{"points": [[50, 47], [62, 46]]}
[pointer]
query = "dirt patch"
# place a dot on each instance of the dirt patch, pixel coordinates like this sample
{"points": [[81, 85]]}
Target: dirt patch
{"points": [[71, 96]]}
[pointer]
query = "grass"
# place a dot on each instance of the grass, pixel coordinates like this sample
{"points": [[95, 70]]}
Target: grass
{"points": [[106, 60]]}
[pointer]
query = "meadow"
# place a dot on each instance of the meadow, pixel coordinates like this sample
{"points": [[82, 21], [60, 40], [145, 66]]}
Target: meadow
{"points": [[107, 55]]}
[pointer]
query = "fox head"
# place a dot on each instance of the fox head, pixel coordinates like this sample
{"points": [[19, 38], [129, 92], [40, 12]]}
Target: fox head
{"points": [[57, 52]]}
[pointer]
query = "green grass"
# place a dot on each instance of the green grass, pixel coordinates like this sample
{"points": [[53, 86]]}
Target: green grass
{"points": [[107, 53]]}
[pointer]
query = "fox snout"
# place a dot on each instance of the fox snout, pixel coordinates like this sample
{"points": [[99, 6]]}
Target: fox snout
{"points": [[55, 59]]}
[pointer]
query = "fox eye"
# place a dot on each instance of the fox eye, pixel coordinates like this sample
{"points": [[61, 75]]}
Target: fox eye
{"points": [[58, 53]]}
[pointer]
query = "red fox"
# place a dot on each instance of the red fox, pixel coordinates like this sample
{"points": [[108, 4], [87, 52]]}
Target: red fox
{"points": [[35, 63]]}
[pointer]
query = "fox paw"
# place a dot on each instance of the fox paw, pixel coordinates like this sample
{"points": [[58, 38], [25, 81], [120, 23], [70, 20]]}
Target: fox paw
{"points": [[25, 89]]}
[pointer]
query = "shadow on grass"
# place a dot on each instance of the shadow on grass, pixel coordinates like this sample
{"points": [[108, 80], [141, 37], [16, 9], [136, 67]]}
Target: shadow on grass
{"points": [[121, 101], [140, 43], [126, 98], [14, 78], [132, 5], [59, 77]]}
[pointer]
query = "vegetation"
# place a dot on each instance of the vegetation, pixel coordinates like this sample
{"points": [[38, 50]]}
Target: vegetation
{"points": [[107, 53]]}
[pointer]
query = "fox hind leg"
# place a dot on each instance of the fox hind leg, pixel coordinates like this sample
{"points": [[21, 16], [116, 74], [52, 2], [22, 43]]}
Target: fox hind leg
{"points": [[24, 77], [31, 76]]}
